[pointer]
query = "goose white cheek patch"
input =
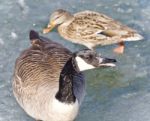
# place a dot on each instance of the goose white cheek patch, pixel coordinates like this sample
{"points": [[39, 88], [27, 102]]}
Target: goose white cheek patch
{"points": [[83, 65]]}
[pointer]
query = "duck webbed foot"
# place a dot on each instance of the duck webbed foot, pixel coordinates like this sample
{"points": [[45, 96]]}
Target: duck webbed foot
{"points": [[120, 48]]}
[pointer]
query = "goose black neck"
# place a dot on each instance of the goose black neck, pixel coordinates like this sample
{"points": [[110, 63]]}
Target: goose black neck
{"points": [[65, 93]]}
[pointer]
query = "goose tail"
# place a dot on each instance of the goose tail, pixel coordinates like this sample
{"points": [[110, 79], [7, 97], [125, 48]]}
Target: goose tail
{"points": [[33, 35]]}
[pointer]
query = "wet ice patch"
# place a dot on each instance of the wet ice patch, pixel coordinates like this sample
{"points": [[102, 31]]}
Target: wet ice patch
{"points": [[130, 10], [23, 6], [1, 119], [131, 109], [34, 24], [14, 35], [128, 95], [99, 5], [1, 41], [120, 10], [142, 73]]}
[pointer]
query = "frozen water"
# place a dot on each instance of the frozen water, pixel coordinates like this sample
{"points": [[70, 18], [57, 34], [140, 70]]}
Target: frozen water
{"points": [[113, 94], [23, 6], [1, 42], [14, 35]]}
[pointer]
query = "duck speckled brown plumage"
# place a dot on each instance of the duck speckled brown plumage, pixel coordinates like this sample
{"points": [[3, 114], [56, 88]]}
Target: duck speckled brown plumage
{"points": [[48, 83], [91, 28]]}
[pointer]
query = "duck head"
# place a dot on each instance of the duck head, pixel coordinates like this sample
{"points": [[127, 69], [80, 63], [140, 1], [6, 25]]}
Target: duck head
{"points": [[57, 17], [89, 59]]}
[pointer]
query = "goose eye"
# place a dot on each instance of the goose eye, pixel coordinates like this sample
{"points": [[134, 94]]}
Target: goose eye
{"points": [[89, 57]]}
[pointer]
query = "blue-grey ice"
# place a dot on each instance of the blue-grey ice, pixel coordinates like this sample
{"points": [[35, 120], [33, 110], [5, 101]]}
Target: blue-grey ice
{"points": [[117, 94]]}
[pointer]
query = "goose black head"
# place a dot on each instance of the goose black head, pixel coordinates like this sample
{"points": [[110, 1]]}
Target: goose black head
{"points": [[89, 59]]}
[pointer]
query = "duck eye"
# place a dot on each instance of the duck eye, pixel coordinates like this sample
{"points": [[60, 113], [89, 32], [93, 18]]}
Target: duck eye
{"points": [[57, 17]]}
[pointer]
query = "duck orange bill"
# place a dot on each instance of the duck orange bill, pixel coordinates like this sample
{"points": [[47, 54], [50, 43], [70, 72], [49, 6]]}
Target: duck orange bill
{"points": [[49, 28], [46, 30]]}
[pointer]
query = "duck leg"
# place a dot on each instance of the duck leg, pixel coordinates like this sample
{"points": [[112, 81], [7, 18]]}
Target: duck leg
{"points": [[120, 48]]}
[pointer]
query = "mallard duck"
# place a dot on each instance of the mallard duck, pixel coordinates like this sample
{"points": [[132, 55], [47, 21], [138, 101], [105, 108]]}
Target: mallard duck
{"points": [[91, 28], [48, 83]]}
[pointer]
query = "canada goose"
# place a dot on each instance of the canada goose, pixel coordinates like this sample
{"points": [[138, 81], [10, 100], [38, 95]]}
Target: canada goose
{"points": [[48, 83], [91, 28]]}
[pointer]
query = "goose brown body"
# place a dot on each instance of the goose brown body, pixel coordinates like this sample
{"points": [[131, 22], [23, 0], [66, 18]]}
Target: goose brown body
{"points": [[48, 83], [36, 80]]}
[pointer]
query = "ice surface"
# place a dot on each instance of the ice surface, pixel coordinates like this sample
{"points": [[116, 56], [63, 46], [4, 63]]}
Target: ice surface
{"points": [[23, 6], [14, 35], [115, 94], [1, 42]]}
